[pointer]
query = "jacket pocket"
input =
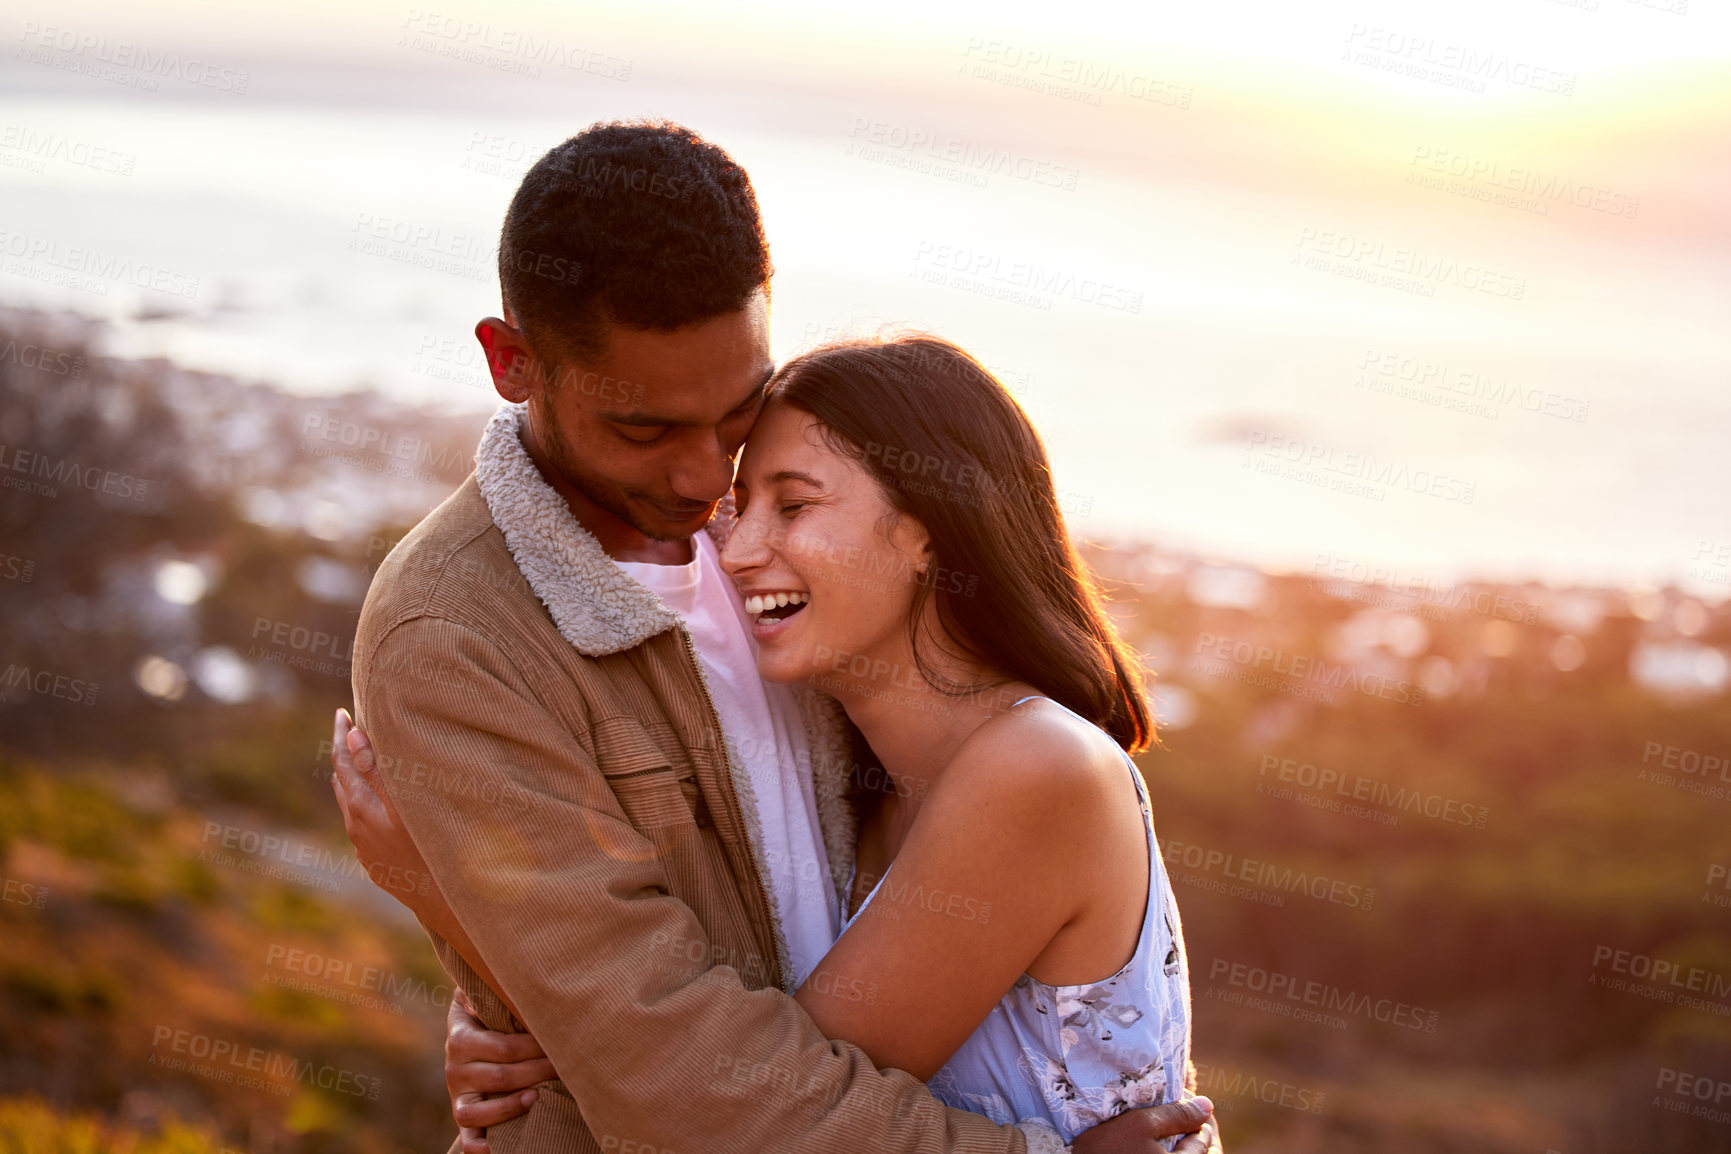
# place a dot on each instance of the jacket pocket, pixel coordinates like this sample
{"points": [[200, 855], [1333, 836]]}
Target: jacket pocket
{"points": [[655, 797]]}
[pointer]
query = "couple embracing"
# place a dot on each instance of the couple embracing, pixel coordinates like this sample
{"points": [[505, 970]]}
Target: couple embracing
{"points": [[760, 728]]}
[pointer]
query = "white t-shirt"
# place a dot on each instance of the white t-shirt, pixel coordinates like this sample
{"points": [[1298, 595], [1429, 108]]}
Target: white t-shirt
{"points": [[760, 722]]}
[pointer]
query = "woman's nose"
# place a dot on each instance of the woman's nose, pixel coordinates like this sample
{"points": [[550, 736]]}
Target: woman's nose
{"points": [[745, 546]]}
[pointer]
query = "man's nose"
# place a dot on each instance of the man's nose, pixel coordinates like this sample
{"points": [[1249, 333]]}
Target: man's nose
{"points": [[705, 472]]}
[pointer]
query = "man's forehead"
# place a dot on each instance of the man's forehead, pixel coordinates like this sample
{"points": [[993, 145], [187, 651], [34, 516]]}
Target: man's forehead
{"points": [[681, 399]]}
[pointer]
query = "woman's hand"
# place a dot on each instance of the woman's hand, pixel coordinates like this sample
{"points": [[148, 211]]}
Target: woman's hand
{"points": [[1140, 1131], [478, 1062], [383, 846]]}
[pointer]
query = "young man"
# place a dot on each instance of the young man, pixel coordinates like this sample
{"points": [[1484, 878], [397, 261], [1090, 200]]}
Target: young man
{"points": [[643, 845]]}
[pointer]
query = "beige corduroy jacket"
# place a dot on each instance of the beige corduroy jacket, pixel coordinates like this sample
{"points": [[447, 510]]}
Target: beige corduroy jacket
{"points": [[545, 732]]}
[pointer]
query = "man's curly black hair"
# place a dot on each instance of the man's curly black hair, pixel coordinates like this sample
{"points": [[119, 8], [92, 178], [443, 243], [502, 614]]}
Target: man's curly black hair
{"points": [[643, 224]]}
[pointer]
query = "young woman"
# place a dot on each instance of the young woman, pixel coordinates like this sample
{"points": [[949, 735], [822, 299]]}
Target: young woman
{"points": [[899, 545]]}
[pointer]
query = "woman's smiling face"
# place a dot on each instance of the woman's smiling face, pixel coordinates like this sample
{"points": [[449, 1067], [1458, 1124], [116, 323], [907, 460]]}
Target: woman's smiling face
{"points": [[827, 566]]}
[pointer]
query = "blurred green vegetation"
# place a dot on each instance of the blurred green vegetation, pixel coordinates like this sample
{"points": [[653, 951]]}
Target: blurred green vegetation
{"points": [[31, 1126], [128, 923]]}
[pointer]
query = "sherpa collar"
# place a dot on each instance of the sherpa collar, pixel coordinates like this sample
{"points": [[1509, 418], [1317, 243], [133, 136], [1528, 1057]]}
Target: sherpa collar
{"points": [[598, 608]]}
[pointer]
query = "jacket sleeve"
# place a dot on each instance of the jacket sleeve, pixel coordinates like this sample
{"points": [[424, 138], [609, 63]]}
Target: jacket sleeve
{"points": [[570, 908]]}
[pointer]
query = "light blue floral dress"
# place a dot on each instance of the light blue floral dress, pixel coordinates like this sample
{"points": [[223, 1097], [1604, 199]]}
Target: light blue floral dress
{"points": [[1074, 1056]]}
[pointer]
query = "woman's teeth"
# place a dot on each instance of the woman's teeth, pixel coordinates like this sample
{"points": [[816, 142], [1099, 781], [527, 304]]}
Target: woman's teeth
{"points": [[759, 604]]}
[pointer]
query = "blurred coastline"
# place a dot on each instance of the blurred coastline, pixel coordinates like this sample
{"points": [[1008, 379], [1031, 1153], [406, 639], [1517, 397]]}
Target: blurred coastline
{"points": [[1177, 294]]}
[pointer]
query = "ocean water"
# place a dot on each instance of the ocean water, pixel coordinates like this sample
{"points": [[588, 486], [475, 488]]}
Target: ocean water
{"points": [[1350, 363]]}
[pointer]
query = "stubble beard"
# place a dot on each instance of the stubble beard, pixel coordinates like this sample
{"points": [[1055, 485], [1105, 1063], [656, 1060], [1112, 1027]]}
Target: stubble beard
{"points": [[605, 495]]}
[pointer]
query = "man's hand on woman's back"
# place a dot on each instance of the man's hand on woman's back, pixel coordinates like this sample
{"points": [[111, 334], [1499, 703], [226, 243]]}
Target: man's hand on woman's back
{"points": [[481, 1062], [1139, 1131]]}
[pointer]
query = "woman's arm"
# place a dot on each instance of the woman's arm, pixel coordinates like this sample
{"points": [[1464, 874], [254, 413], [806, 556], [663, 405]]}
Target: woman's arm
{"points": [[1015, 868], [1006, 852], [381, 841]]}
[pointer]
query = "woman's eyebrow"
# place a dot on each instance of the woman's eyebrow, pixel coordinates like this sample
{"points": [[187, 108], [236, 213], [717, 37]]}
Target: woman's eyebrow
{"points": [[795, 475]]}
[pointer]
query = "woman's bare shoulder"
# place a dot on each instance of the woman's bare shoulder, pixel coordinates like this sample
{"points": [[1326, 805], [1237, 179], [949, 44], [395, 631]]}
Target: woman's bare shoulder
{"points": [[1043, 755]]}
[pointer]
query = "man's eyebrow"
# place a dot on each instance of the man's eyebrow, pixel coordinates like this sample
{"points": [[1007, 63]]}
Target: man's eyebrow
{"points": [[637, 417]]}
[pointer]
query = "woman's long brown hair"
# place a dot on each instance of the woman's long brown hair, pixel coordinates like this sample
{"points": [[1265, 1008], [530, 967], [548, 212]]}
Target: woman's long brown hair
{"points": [[954, 451]]}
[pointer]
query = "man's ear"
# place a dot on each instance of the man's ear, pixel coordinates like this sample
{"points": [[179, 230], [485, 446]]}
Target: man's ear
{"points": [[509, 358]]}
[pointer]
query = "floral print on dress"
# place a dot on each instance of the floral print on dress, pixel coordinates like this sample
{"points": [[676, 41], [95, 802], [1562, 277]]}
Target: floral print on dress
{"points": [[993, 1106], [1135, 1089], [1092, 1009], [1072, 1057], [1073, 1109], [1068, 1109], [1075, 1056]]}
